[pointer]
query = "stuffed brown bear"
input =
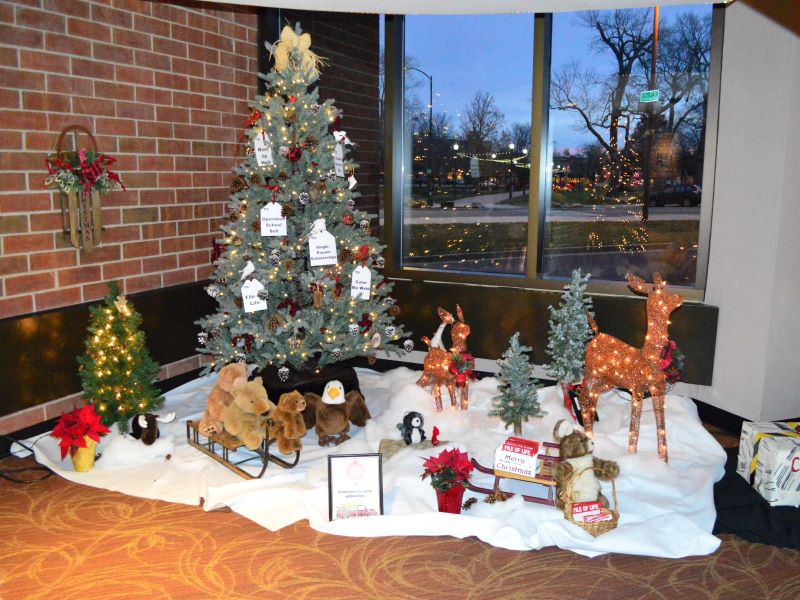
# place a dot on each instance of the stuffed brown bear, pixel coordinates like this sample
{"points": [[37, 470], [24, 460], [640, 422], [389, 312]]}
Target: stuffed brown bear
{"points": [[220, 398], [288, 425], [575, 449], [246, 417]]}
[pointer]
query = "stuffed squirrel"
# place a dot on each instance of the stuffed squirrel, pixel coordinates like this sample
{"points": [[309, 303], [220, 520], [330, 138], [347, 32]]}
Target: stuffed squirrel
{"points": [[575, 449]]}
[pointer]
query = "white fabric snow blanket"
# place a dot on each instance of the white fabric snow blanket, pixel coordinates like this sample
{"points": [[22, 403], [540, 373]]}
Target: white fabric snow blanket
{"points": [[665, 510]]}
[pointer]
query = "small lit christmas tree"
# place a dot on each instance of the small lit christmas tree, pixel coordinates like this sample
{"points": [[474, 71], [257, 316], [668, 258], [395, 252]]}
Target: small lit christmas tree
{"points": [[519, 397], [570, 332], [298, 282], [117, 373]]}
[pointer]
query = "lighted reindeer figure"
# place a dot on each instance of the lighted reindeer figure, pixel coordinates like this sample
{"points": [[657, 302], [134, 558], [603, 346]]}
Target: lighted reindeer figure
{"points": [[436, 368], [613, 363]]}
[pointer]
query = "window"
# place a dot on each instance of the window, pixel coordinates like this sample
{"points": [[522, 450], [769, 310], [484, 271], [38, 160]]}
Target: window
{"points": [[615, 149], [466, 139]]}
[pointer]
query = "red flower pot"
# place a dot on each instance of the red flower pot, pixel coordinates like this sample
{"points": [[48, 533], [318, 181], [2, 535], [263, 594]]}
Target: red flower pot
{"points": [[450, 501]]}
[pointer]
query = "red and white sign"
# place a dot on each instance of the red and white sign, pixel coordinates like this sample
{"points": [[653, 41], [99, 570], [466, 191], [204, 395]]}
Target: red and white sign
{"points": [[517, 458], [587, 512]]}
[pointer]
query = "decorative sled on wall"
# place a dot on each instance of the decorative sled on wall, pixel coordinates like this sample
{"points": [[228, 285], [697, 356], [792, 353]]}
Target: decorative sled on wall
{"points": [[223, 447]]}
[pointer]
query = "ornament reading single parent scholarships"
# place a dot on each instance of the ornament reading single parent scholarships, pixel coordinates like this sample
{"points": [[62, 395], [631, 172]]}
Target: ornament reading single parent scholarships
{"points": [[361, 283], [262, 148], [254, 296], [273, 223], [321, 245]]}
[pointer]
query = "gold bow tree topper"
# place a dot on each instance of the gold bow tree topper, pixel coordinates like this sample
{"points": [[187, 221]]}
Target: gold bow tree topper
{"points": [[294, 49]]}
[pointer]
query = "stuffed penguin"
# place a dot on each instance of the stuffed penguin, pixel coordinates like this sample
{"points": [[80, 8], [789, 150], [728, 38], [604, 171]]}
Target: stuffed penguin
{"points": [[411, 428]]}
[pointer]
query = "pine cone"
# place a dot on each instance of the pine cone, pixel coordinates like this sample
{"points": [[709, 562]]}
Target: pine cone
{"points": [[394, 310], [372, 359], [288, 265], [254, 179], [256, 226], [238, 185], [319, 298], [287, 210], [238, 302], [346, 255], [275, 322]]}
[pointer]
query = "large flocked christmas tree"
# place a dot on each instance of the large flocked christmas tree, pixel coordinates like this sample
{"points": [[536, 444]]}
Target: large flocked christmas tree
{"points": [[519, 397], [117, 373], [298, 279]]}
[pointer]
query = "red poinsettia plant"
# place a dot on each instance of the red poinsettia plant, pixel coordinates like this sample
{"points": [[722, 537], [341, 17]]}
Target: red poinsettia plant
{"points": [[73, 428], [449, 469], [82, 171]]}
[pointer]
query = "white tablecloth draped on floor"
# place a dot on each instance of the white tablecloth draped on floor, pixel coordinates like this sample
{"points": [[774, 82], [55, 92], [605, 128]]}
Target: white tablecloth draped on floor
{"points": [[665, 510]]}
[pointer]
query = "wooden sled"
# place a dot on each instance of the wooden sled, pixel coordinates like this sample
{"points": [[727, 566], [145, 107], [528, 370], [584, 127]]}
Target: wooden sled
{"points": [[543, 476], [219, 446]]}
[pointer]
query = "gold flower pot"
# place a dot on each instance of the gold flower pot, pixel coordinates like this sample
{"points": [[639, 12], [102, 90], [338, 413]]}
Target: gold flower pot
{"points": [[83, 458]]}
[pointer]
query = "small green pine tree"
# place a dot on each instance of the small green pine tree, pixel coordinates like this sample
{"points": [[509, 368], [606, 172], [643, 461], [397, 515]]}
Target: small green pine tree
{"points": [[117, 373], [519, 399], [570, 332]]}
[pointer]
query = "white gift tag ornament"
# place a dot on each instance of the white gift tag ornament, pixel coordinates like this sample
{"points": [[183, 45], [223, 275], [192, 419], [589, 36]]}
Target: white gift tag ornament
{"points": [[251, 298], [361, 284], [273, 223], [262, 148], [321, 246]]}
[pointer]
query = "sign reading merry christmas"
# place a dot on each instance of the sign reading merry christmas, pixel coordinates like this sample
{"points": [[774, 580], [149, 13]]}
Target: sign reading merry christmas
{"points": [[517, 458]]}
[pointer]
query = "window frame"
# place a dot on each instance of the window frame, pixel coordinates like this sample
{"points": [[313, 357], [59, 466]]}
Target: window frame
{"points": [[392, 230]]}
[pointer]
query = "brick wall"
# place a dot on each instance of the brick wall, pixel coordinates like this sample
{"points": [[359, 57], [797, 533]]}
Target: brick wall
{"points": [[165, 88]]}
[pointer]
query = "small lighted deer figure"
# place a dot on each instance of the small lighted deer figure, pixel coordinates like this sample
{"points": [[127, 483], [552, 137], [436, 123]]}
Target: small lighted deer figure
{"points": [[436, 368], [613, 363]]}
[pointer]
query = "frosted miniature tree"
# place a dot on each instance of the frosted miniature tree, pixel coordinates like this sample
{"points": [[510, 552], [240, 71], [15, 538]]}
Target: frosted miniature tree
{"points": [[298, 279], [519, 397], [117, 373], [570, 332]]}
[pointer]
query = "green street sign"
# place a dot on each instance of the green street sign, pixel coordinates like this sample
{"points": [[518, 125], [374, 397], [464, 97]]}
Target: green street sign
{"points": [[649, 96]]}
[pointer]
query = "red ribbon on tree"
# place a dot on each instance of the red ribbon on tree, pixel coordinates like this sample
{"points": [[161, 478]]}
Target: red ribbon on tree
{"points": [[362, 255], [365, 323], [292, 306], [253, 120]]}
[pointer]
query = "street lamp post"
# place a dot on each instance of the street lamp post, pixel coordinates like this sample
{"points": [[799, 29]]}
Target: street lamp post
{"points": [[430, 131]]}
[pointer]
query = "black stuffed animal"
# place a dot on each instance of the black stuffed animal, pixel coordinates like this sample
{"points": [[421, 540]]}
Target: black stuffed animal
{"points": [[411, 428], [145, 427]]}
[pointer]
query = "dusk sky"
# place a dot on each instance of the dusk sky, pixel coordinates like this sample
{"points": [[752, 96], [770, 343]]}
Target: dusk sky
{"points": [[494, 53]]}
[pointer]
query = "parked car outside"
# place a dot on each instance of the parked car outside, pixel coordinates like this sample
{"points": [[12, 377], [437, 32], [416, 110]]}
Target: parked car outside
{"points": [[680, 194]]}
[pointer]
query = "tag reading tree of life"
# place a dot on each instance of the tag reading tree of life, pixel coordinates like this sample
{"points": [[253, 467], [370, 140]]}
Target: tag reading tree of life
{"points": [[262, 148], [250, 296], [338, 160], [361, 284], [273, 223], [322, 249]]}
